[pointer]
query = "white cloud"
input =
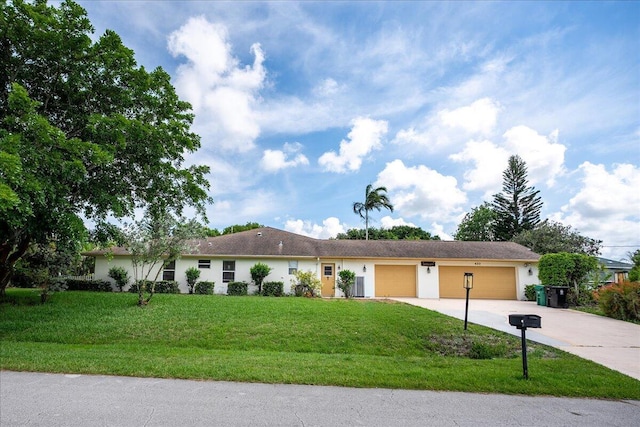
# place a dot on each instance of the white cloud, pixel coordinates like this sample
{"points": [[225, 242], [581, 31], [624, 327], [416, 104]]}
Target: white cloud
{"points": [[478, 118], [330, 227], [229, 209], [326, 88], [223, 94], [387, 222], [438, 230], [544, 156], [489, 161], [607, 207], [365, 136], [450, 127], [607, 195], [275, 160], [421, 191]]}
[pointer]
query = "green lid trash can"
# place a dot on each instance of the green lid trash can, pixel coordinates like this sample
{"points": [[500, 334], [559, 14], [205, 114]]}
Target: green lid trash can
{"points": [[541, 295]]}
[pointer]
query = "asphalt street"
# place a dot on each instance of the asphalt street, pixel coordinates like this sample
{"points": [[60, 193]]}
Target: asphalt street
{"points": [[39, 399]]}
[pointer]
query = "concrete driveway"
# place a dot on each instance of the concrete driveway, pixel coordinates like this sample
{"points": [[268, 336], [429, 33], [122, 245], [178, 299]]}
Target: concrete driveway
{"points": [[609, 342]]}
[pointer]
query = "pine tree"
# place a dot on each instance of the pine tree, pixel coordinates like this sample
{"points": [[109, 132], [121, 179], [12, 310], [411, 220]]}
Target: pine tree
{"points": [[518, 207]]}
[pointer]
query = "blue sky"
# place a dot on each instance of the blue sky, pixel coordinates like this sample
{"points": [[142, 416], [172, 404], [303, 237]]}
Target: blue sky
{"points": [[301, 105]]}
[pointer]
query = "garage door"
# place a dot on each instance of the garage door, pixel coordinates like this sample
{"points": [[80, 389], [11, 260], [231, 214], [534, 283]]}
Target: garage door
{"points": [[395, 280], [488, 282]]}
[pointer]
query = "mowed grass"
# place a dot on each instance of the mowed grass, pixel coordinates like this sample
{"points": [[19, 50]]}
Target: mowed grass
{"points": [[352, 343]]}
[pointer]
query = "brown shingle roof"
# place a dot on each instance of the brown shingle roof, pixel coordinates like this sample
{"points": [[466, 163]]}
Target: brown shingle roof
{"points": [[271, 242]]}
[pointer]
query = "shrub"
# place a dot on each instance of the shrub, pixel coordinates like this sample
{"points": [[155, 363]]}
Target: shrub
{"points": [[530, 292], [204, 288], [306, 284], [21, 278], [120, 276], [272, 289], [237, 288], [192, 274], [480, 350], [88, 285], [258, 274], [161, 287], [25, 276], [582, 297], [346, 280], [620, 300]]}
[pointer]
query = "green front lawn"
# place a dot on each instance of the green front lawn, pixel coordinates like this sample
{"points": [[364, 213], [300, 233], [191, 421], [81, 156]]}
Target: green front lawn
{"points": [[286, 340]]}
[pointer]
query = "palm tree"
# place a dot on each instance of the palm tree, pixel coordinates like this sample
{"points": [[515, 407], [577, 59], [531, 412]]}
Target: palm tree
{"points": [[374, 199]]}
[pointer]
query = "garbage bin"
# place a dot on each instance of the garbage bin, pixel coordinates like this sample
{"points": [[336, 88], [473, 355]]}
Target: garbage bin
{"points": [[557, 296], [541, 295]]}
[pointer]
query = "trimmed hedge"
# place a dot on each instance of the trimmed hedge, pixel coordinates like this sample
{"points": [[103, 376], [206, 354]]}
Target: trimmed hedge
{"points": [[237, 288], [204, 288], [88, 285], [273, 289], [162, 287]]}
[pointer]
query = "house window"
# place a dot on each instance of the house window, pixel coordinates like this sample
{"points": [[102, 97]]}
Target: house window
{"points": [[169, 272], [328, 270], [228, 271], [293, 267], [204, 263]]}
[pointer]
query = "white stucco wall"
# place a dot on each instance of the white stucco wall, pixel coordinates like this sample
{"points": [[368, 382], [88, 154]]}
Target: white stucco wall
{"points": [[427, 279], [524, 278], [280, 272], [104, 264]]}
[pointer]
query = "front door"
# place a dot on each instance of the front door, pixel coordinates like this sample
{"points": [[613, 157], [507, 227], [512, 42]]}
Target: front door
{"points": [[328, 280]]}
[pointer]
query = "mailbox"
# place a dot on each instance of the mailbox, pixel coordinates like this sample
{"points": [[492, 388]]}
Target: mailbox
{"points": [[524, 320]]}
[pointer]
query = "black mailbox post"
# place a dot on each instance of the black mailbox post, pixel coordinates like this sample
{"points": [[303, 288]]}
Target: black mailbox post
{"points": [[522, 322]]}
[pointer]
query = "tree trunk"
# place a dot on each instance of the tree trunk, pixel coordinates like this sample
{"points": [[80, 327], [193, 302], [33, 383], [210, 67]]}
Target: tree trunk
{"points": [[10, 253], [366, 224]]}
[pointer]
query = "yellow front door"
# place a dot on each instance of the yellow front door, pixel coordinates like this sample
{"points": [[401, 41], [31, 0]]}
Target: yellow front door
{"points": [[328, 280]]}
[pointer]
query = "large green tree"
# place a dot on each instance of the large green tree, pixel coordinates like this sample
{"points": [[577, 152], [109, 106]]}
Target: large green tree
{"points": [[85, 132], [518, 206], [477, 225], [374, 198], [552, 237]]}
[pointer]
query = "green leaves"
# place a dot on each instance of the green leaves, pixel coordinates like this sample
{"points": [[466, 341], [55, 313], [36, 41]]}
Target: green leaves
{"points": [[374, 199], [477, 225], [85, 131], [518, 207], [565, 269], [550, 237]]}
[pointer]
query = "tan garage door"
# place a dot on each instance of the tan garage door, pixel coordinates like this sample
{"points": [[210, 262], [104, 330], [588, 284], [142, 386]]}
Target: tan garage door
{"points": [[488, 282], [395, 280]]}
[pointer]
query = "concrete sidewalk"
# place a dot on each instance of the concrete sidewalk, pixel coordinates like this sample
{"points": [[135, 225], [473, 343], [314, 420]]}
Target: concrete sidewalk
{"points": [[36, 399], [609, 342]]}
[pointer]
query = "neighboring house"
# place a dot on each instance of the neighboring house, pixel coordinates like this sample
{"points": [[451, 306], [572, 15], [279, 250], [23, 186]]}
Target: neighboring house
{"points": [[615, 271], [384, 268]]}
